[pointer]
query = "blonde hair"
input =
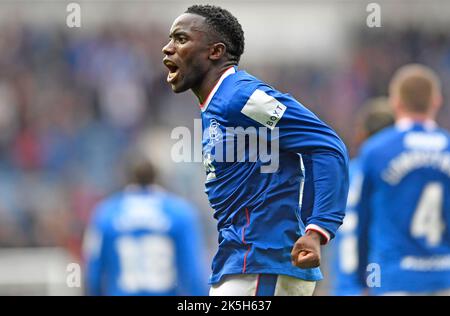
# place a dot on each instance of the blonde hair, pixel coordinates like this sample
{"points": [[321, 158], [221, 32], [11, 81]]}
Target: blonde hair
{"points": [[416, 86]]}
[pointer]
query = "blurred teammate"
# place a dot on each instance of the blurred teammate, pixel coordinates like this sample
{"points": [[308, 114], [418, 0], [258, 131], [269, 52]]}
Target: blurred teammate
{"points": [[264, 246], [374, 116], [144, 241], [404, 207]]}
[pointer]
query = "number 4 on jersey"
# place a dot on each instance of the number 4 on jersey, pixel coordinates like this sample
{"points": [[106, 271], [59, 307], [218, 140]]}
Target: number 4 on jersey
{"points": [[427, 221]]}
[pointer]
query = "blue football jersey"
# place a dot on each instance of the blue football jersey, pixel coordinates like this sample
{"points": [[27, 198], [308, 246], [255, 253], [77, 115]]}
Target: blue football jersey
{"points": [[264, 199], [344, 263], [145, 242], [404, 209]]}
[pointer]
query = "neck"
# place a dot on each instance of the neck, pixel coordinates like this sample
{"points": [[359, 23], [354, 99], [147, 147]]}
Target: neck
{"points": [[209, 81], [416, 117]]}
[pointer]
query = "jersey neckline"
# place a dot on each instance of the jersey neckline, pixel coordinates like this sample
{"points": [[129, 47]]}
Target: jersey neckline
{"points": [[404, 124], [231, 70]]}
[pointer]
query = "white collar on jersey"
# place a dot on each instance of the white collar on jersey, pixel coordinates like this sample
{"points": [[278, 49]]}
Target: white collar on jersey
{"points": [[406, 123], [130, 188], [228, 72]]}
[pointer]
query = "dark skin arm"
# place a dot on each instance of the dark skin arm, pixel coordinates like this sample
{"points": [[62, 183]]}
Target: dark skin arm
{"points": [[306, 251]]}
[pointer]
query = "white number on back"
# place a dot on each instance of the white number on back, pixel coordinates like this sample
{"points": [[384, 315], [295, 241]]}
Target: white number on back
{"points": [[147, 263], [427, 221]]}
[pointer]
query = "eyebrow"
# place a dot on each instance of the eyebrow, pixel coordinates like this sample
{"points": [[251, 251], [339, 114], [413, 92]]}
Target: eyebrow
{"points": [[177, 33]]}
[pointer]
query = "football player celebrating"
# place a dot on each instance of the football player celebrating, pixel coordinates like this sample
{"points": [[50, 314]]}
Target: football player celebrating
{"points": [[271, 221]]}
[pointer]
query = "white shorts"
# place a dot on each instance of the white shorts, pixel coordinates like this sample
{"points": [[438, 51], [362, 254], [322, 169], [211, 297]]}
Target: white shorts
{"points": [[262, 285]]}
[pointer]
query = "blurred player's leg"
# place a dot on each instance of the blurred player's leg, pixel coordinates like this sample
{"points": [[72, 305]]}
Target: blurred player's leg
{"points": [[262, 285]]}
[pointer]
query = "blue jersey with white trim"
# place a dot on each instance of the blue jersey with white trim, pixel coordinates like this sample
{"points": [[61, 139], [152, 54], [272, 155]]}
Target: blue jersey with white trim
{"points": [[264, 197], [145, 242], [404, 209], [345, 248]]}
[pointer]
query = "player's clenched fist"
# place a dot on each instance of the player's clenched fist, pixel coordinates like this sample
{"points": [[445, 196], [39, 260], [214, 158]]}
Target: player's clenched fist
{"points": [[306, 251]]}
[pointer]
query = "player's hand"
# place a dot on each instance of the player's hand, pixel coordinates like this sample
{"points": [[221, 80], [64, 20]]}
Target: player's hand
{"points": [[306, 251]]}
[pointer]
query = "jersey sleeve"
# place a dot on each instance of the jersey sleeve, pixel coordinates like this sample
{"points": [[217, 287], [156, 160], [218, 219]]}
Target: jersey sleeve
{"points": [[323, 153], [191, 259], [93, 252]]}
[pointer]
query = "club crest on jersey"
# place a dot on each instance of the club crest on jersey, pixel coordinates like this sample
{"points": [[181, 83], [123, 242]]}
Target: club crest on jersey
{"points": [[214, 136]]}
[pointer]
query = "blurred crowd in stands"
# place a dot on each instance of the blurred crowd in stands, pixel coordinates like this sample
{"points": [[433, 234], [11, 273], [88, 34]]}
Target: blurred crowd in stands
{"points": [[73, 103]]}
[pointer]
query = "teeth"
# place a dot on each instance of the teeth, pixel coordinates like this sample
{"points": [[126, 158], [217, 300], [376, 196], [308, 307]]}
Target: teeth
{"points": [[171, 76]]}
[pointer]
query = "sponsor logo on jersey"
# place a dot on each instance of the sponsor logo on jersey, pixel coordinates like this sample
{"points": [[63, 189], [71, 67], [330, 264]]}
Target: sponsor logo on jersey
{"points": [[264, 109]]}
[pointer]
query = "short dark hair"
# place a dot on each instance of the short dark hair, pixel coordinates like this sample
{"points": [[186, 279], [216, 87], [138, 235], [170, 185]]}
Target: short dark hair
{"points": [[225, 25], [376, 114], [140, 170]]}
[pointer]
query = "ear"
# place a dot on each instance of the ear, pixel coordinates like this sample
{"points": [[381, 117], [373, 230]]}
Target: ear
{"points": [[437, 101], [396, 103], [217, 51]]}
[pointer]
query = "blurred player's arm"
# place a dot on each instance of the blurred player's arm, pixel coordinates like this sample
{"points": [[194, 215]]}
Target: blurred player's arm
{"points": [[93, 249], [363, 211], [191, 260]]}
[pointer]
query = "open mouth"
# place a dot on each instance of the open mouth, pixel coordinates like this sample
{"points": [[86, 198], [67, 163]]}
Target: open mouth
{"points": [[173, 70]]}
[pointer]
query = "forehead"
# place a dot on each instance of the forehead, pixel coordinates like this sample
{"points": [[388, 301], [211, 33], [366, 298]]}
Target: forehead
{"points": [[188, 22]]}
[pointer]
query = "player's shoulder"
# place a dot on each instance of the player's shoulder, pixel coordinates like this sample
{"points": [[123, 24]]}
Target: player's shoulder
{"points": [[173, 199], [444, 132], [242, 86], [426, 137], [110, 201], [175, 205], [242, 80], [256, 100], [437, 138], [105, 209], [261, 96]]}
